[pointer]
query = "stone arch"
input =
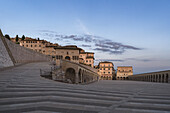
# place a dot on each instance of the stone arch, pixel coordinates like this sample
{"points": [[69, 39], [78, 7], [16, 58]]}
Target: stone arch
{"points": [[153, 78], [80, 76], [67, 58], [120, 78], [123, 78], [167, 78], [70, 75], [107, 78], [160, 77], [163, 77]]}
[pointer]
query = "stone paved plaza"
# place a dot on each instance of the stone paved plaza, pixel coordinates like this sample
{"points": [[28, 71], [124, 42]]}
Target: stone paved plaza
{"points": [[23, 90]]}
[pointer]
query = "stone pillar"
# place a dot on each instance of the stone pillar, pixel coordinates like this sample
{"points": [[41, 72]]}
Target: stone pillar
{"points": [[161, 78], [81, 79], [150, 78], [76, 78]]}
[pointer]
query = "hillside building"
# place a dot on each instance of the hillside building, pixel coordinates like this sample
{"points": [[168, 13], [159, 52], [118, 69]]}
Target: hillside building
{"points": [[57, 52]]}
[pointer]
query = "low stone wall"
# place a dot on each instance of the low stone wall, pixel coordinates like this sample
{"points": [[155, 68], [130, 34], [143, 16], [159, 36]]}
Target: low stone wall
{"points": [[161, 76], [23, 55]]}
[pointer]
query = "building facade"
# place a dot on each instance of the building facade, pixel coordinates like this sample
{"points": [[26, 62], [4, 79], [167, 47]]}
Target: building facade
{"points": [[123, 72], [57, 52], [86, 58], [106, 70]]}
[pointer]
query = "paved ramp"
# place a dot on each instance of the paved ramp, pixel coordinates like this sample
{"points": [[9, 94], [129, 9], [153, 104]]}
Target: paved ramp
{"points": [[23, 90]]}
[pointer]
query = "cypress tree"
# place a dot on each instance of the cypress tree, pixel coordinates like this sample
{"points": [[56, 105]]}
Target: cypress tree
{"points": [[16, 38], [23, 37]]}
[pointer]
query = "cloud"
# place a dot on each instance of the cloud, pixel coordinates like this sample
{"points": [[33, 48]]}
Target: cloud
{"points": [[97, 43], [109, 51], [110, 60], [82, 27], [83, 45], [48, 31], [142, 60]]}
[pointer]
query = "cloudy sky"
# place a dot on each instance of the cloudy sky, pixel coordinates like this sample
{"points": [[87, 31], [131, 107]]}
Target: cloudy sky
{"points": [[125, 32]]}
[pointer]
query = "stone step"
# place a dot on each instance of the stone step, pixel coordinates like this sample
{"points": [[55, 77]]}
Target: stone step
{"points": [[36, 93], [153, 97], [50, 106], [153, 101], [146, 106], [20, 100], [66, 87], [64, 90]]}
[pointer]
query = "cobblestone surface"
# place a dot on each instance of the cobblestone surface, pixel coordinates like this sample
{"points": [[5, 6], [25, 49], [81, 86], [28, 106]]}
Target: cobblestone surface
{"points": [[23, 90]]}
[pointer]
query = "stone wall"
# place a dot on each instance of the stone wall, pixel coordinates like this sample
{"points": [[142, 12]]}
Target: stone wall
{"points": [[11, 54], [78, 73], [23, 55], [5, 60]]}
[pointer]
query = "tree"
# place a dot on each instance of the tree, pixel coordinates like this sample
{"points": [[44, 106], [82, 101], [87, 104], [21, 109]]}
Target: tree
{"points": [[38, 38], [7, 36], [23, 37], [16, 38]]}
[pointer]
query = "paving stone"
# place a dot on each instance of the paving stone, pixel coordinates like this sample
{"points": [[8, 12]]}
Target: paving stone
{"points": [[22, 89]]}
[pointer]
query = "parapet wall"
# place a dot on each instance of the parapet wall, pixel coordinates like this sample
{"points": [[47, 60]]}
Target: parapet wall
{"points": [[160, 76]]}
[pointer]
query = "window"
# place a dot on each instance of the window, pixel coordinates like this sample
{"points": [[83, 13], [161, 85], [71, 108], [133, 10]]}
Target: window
{"points": [[23, 45], [108, 68], [104, 72], [35, 45], [86, 60], [89, 60], [67, 53], [27, 45], [39, 45], [109, 72], [31, 45]]}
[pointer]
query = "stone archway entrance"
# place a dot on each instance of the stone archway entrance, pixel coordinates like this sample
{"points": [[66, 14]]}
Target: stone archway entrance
{"points": [[80, 76], [70, 75], [67, 58]]}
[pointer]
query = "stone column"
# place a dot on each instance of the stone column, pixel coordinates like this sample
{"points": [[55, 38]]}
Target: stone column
{"points": [[76, 78]]}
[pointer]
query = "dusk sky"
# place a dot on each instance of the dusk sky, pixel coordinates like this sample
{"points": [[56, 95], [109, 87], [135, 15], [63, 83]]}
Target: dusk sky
{"points": [[126, 32]]}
